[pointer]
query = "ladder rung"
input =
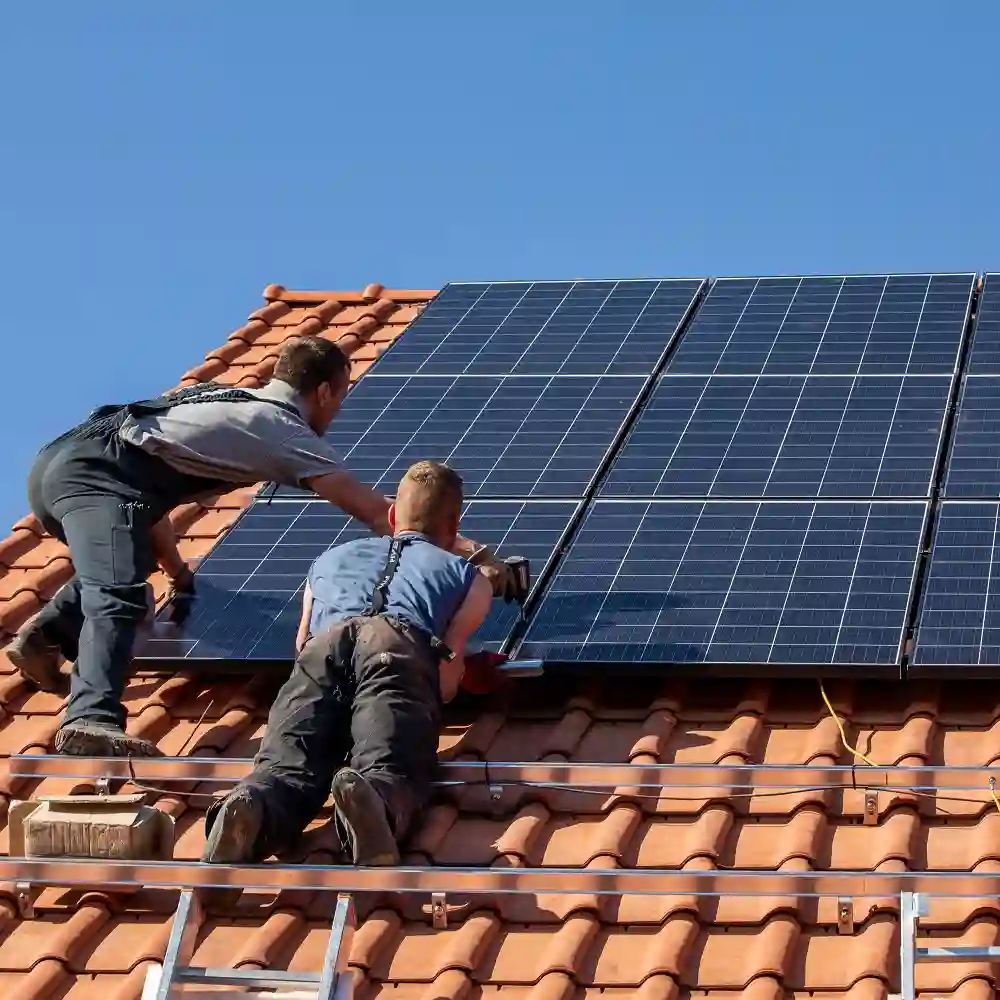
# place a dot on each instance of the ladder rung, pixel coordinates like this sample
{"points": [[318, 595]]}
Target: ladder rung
{"points": [[956, 954], [245, 977]]}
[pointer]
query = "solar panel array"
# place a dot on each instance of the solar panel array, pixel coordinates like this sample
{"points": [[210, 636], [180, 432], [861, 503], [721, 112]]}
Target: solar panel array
{"points": [[802, 389], [740, 480]]}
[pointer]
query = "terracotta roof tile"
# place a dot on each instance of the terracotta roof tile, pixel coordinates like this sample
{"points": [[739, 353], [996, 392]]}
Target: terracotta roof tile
{"points": [[582, 947]]}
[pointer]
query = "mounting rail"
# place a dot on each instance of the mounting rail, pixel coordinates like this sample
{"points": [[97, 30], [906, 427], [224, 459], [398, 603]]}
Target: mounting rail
{"points": [[568, 776], [104, 874]]}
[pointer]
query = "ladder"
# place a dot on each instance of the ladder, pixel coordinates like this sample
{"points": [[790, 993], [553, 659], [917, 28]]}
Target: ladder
{"points": [[913, 906], [165, 981]]}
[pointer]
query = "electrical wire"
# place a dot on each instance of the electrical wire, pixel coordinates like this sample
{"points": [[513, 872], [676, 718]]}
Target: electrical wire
{"points": [[854, 751]]}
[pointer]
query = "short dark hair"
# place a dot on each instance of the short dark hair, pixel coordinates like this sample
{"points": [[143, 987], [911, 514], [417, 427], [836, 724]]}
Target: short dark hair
{"points": [[305, 363], [429, 495]]}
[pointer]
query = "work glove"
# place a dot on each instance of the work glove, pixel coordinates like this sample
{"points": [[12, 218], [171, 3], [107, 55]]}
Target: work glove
{"points": [[503, 578], [482, 674]]}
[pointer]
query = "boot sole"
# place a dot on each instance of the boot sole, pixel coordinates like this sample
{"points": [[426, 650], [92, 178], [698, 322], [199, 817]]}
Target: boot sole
{"points": [[234, 833], [362, 809], [45, 676], [93, 743]]}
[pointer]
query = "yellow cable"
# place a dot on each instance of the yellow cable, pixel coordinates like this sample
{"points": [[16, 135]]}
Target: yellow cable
{"points": [[860, 756], [843, 736]]}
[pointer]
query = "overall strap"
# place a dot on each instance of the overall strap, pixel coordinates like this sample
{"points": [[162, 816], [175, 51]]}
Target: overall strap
{"points": [[379, 595]]}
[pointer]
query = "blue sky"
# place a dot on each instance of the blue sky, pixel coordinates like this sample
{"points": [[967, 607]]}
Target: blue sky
{"points": [[162, 163]]}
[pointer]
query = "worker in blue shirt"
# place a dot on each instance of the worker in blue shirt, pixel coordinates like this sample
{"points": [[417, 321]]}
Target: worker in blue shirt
{"points": [[385, 623]]}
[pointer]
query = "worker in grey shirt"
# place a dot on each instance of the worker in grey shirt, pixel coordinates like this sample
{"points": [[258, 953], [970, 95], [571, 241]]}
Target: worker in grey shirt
{"points": [[105, 488]]}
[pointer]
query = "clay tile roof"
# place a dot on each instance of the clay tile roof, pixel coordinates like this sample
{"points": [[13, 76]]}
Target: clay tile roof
{"points": [[81, 947]]}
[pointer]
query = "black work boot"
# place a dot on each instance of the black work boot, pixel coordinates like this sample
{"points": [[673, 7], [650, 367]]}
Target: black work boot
{"points": [[362, 819], [38, 659], [84, 738], [235, 829]]}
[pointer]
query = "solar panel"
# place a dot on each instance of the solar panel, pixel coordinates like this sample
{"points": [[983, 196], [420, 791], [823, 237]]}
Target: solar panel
{"points": [[784, 436], [984, 357], [249, 588], [973, 468], [509, 437], [895, 324], [958, 623], [543, 328], [719, 582]]}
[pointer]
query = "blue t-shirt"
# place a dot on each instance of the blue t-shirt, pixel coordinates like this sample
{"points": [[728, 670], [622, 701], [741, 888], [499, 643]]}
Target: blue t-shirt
{"points": [[428, 588]]}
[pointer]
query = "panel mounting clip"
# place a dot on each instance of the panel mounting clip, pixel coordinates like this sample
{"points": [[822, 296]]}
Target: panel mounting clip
{"points": [[845, 915], [439, 911], [871, 808]]}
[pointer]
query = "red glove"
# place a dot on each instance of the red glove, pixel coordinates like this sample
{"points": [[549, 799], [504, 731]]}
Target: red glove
{"points": [[482, 674]]}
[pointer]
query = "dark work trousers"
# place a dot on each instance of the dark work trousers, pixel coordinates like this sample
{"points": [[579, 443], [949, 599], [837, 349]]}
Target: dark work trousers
{"points": [[101, 497], [365, 694]]}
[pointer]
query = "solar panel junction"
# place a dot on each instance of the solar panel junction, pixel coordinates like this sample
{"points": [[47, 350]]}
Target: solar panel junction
{"points": [[249, 589], [821, 584], [543, 328]]}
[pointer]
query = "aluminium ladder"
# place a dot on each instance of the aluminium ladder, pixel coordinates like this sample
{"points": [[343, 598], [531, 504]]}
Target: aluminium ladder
{"points": [[165, 981]]}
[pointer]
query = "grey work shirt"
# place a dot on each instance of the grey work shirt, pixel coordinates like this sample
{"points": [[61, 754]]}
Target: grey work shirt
{"points": [[240, 442]]}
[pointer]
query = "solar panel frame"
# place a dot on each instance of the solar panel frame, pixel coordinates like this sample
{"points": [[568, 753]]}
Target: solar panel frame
{"points": [[957, 621], [602, 547], [249, 587], [494, 430], [707, 324], [588, 327], [984, 349], [716, 436]]}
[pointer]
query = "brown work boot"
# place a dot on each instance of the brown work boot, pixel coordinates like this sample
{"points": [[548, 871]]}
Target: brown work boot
{"points": [[362, 817], [84, 738], [37, 659], [233, 837]]}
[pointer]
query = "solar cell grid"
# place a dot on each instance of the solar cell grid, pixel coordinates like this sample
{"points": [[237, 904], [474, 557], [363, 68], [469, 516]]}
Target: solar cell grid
{"points": [[249, 588], [958, 623], [973, 468], [721, 582], [543, 328], [895, 324], [509, 437], [784, 436]]}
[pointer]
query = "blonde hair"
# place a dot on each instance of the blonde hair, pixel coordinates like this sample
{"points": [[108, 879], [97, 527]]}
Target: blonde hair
{"points": [[429, 498]]}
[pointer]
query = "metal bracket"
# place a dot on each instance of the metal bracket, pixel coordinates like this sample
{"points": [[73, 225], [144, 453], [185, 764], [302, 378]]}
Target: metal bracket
{"points": [[496, 791], [103, 785], [25, 900], [845, 915], [439, 911], [871, 808]]}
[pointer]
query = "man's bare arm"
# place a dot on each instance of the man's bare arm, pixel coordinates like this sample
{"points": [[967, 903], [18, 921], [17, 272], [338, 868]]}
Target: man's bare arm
{"points": [[470, 615], [303, 633], [353, 497]]}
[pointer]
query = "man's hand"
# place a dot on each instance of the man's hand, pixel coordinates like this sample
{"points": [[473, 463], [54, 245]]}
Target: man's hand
{"points": [[504, 579], [182, 591]]}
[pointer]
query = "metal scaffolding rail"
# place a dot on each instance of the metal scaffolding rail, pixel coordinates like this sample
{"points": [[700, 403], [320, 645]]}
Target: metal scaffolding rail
{"points": [[571, 775], [69, 872]]}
